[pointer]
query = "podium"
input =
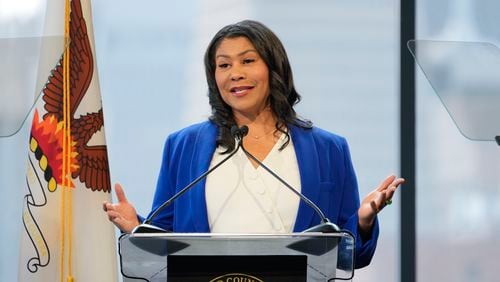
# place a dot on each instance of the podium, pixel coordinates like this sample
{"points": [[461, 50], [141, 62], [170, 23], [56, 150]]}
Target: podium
{"points": [[236, 257]]}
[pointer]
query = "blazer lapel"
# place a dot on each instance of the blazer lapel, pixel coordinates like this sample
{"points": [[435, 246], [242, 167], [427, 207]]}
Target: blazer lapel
{"points": [[307, 159], [204, 148]]}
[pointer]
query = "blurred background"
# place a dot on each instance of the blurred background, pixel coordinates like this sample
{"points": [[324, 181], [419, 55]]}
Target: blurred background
{"points": [[345, 58]]}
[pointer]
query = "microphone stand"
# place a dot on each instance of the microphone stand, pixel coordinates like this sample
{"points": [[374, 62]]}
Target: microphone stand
{"points": [[326, 226], [147, 227]]}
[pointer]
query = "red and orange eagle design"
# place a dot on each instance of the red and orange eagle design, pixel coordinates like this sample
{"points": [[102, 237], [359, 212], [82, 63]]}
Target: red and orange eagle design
{"points": [[89, 163]]}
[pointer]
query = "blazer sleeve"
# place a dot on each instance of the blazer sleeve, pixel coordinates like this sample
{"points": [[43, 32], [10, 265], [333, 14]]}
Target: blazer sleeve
{"points": [[165, 189], [348, 217]]}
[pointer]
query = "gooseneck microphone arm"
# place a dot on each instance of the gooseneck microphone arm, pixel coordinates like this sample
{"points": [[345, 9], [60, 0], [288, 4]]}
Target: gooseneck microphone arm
{"points": [[238, 133], [147, 227], [326, 225], [185, 189]]}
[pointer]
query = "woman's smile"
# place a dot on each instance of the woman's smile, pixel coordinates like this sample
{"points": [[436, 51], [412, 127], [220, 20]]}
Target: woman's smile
{"points": [[240, 91]]}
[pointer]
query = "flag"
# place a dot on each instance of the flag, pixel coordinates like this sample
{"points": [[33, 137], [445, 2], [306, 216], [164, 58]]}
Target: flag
{"points": [[66, 235]]}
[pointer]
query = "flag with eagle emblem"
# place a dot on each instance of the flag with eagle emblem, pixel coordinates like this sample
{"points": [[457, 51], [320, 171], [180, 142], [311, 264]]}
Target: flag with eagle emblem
{"points": [[66, 235]]}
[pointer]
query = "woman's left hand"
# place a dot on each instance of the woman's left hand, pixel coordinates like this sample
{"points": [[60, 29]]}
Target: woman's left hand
{"points": [[375, 201]]}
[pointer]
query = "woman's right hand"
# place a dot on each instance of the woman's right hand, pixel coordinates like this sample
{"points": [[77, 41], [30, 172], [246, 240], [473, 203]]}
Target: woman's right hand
{"points": [[123, 213]]}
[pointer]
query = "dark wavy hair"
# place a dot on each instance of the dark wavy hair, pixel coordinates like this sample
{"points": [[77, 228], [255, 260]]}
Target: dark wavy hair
{"points": [[282, 96]]}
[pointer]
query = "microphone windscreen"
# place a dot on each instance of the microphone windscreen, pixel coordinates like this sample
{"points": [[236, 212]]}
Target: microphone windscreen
{"points": [[243, 131]]}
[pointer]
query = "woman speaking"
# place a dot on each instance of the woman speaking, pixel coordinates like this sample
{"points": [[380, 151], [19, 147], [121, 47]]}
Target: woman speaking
{"points": [[250, 84]]}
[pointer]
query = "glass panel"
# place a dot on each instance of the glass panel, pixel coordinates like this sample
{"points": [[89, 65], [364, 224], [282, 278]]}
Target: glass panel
{"points": [[466, 77], [25, 65], [458, 184]]}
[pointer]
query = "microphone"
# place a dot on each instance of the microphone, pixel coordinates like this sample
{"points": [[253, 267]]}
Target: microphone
{"points": [[147, 227], [239, 133], [326, 226]]}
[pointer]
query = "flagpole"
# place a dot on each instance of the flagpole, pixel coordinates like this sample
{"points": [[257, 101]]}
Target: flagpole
{"points": [[66, 193]]}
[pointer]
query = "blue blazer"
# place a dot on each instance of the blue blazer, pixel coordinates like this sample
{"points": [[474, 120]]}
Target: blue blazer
{"points": [[326, 174]]}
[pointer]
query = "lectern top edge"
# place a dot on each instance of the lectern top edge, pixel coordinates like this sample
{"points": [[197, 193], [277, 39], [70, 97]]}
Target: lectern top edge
{"points": [[239, 235]]}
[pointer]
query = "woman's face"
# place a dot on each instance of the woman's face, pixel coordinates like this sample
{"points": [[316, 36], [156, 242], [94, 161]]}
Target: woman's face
{"points": [[242, 76]]}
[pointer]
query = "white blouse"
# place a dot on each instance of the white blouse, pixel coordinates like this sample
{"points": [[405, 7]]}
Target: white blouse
{"points": [[243, 199]]}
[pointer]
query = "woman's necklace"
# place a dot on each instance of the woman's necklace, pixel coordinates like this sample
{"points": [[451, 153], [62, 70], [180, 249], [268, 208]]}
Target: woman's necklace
{"points": [[257, 137]]}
